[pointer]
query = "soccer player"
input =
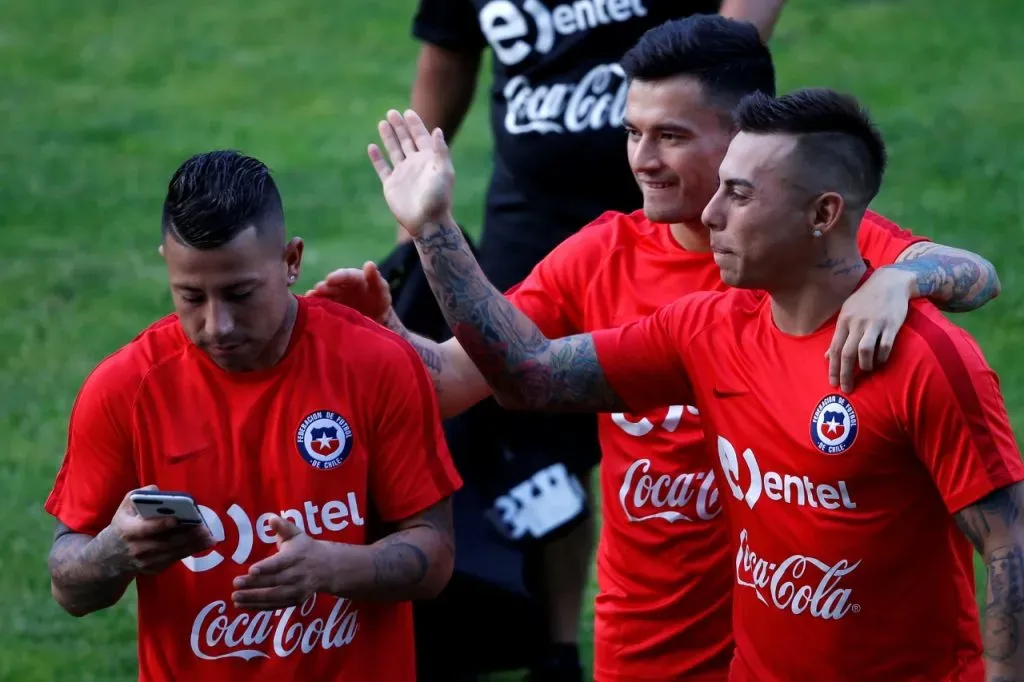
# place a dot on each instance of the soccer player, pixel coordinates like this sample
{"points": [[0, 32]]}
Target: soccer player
{"points": [[309, 436], [556, 99], [664, 567], [843, 506]]}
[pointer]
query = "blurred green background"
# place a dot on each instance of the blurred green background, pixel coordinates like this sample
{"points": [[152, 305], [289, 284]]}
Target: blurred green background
{"points": [[102, 100]]}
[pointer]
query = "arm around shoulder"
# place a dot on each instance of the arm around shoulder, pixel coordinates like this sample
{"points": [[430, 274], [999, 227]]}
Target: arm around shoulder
{"points": [[955, 280]]}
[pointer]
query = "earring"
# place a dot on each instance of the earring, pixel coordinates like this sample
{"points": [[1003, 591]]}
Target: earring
{"points": [[291, 278], [816, 233]]}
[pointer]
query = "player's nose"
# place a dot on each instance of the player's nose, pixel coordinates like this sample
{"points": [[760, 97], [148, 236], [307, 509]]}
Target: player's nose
{"points": [[644, 157], [712, 213], [220, 323]]}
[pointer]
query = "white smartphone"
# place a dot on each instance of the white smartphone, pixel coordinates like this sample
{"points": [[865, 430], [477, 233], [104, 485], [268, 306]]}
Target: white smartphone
{"points": [[168, 504]]}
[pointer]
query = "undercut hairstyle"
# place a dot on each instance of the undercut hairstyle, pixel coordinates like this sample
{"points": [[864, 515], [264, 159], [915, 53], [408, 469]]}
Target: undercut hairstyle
{"points": [[726, 56], [214, 196], [839, 148]]}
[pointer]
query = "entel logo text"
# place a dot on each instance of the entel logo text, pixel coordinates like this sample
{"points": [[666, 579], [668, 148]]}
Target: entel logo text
{"points": [[504, 25], [786, 488], [311, 519]]}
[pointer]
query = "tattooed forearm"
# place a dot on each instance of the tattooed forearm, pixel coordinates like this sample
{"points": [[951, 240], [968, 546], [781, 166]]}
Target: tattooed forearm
{"points": [[88, 573], [524, 368], [416, 561], [439, 519], [399, 565], [996, 528], [955, 280], [1005, 604]]}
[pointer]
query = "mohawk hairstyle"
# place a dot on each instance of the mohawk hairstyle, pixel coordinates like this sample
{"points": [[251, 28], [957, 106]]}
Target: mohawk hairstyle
{"points": [[838, 143], [214, 196]]}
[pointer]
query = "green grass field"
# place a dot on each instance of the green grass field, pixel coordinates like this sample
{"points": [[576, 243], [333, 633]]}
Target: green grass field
{"points": [[102, 100]]}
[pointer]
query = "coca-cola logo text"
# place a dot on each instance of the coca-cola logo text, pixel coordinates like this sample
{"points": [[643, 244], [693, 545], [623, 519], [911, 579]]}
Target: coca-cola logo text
{"points": [[284, 632], [597, 101], [645, 496], [799, 584]]}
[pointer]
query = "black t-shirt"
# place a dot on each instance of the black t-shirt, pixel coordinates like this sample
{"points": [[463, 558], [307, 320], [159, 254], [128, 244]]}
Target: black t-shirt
{"points": [[558, 95]]}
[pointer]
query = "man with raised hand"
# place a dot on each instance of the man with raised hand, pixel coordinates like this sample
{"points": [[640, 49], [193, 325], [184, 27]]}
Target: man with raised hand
{"points": [[556, 98], [841, 503], [669, 619]]}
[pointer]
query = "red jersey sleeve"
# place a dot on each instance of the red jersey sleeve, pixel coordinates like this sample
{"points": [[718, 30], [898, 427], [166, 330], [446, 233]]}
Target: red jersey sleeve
{"points": [[881, 241], [646, 360], [542, 298], [410, 466], [956, 415], [553, 294], [98, 468]]}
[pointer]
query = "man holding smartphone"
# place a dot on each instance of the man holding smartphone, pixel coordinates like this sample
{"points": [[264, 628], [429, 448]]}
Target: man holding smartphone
{"points": [[322, 476]]}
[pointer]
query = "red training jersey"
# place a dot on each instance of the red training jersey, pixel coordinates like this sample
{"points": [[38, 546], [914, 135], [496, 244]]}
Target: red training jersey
{"points": [[341, 437], [663, 609], [848, 564]]}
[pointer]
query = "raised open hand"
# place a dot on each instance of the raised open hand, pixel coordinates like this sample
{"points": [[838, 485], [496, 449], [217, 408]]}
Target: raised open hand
{"points": [[418, 181]]}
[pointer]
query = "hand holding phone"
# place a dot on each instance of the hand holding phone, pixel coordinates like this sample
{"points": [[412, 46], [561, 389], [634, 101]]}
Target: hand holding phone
{"points": [[157, 504], [151, 539]]}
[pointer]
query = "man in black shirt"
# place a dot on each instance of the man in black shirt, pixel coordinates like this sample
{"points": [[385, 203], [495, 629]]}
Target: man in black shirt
{"points": [[557, 101]]}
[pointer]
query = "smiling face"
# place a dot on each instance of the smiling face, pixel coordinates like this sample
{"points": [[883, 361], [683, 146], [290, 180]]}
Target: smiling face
{"points": [[232, 301], [676, 141]]}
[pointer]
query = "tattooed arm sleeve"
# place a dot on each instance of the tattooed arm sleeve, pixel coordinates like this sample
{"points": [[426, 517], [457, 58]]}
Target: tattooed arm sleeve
{"points": [[996, 529], [954, 279], [525, 369], [87, 573], [415, 562]]}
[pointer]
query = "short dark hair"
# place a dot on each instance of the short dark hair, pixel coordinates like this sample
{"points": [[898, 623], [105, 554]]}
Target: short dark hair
{"points": [[214, 196], [838, 143], [726, 56]]}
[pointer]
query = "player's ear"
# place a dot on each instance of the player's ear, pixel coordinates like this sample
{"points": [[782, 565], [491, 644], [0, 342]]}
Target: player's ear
{"points": [[293, 258], [825, 212]]}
